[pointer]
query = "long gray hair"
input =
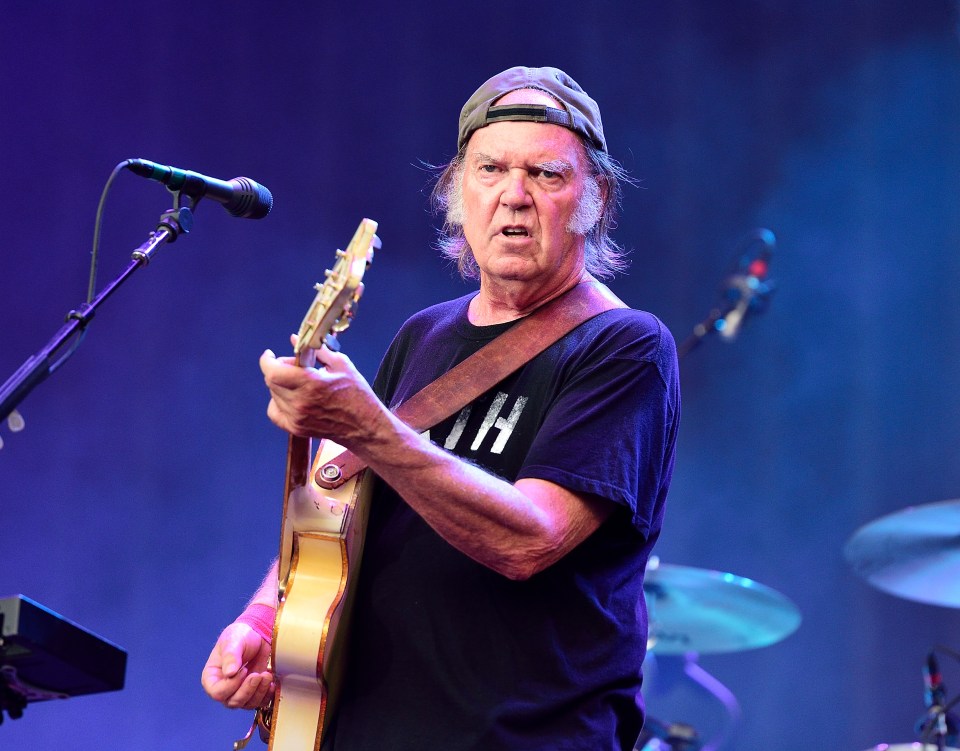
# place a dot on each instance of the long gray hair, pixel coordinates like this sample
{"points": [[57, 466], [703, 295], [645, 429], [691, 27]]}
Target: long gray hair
{"points": [[594, 218]]}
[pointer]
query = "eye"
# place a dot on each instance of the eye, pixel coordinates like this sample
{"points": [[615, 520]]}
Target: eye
{"points": [[551, 173], [489, 168]]}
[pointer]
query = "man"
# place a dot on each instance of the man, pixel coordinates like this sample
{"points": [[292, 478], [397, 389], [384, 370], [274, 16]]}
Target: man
{"points": [[500, 601]]}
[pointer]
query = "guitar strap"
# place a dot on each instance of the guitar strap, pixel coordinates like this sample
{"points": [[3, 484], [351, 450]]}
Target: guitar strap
{"points": [[480, 372]]}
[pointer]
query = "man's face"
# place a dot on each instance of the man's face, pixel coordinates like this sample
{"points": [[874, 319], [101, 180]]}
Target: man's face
{"points": [[522, 182]]}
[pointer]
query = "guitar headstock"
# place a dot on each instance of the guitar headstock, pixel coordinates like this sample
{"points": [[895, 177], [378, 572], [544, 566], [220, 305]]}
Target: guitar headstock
{"points": [[337, 296]]}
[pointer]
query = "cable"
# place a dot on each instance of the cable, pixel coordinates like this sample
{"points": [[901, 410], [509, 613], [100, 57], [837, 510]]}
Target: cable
{"points": [[94, 262], [95, 253]]}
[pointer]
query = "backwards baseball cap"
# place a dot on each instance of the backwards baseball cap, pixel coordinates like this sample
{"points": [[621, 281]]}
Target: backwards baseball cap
{"points": [[580, 113]]}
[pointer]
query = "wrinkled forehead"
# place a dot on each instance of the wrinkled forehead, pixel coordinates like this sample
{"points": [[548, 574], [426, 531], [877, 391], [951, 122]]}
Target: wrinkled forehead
{"points": [[528, 145]]}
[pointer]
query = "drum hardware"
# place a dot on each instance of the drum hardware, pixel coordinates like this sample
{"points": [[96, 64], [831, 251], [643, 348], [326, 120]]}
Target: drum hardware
{"points": [[687, 667], [938, 726], [914, 554], [660, 736], [694, 611]]}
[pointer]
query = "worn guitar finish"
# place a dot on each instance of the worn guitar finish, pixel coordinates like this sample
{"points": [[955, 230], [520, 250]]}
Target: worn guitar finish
{"points": [[321, 539]]}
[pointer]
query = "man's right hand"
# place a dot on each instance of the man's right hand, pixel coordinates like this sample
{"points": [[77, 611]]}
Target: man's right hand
{"points": [[236, 673]]}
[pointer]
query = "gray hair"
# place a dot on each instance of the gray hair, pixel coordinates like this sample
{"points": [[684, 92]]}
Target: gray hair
{"points": [[594, 217]]}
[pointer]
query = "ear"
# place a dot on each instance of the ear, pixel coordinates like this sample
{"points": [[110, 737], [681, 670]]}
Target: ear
{"points": [[604, 186], [603, 190]]}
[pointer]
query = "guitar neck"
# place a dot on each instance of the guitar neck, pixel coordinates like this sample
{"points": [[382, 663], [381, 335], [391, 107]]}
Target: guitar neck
{"points": [[299, 460], [299, 452]]}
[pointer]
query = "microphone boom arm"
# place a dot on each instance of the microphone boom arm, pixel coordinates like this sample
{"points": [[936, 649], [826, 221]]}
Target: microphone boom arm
{"points": [[699, 333], [40, 366]]}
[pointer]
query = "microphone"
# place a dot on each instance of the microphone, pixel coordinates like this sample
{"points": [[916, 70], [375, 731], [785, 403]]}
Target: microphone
{"points": [[749, 287], [241, 196]]}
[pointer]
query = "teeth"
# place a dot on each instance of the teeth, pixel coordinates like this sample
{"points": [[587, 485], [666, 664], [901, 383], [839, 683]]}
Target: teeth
{"points": [[510, 231]]}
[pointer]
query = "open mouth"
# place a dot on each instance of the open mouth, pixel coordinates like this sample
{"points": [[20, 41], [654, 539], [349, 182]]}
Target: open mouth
{"points": [[515, 232]]}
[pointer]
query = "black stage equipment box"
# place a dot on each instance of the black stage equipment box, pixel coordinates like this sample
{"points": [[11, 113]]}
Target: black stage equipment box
{"points": [[45, 656]]}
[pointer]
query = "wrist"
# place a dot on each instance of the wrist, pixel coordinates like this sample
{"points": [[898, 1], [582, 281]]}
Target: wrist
{"points": [[260, 618]]}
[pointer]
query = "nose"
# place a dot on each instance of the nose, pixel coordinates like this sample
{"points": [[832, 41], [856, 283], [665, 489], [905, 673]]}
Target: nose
{"points": [[515, 190]]}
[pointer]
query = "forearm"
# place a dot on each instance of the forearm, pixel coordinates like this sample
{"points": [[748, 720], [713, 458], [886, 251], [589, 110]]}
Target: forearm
{"points": [[516, 530], [268, 591]]}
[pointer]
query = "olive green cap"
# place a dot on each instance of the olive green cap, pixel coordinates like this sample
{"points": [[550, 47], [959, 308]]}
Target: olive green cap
{"points": [[580, 113]]}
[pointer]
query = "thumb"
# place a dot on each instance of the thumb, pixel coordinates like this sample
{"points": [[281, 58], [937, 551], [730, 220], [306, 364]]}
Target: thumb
{"points": [[230, 666], [232, 655]]}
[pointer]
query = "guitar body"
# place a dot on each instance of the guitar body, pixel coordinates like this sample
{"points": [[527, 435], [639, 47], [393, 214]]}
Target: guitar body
{"points": [[326, 531]]}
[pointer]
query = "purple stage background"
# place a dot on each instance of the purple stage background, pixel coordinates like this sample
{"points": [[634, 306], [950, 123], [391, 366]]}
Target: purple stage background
{"points": [[142, 500]]}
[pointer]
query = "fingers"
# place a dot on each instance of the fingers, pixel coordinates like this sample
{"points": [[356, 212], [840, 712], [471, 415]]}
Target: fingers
{"points": [[280, 372], [283, 374], [270, 363], [315, 401], [333, 361], [245, 690], [255, 690], [322, 349], [235, 673], [218, 686]]}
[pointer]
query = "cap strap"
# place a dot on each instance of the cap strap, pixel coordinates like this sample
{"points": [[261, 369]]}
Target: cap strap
{"points": [[538, 113]]}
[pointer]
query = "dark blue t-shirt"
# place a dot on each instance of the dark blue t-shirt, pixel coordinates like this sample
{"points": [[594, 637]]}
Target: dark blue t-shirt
{"points": [[446, 654]]}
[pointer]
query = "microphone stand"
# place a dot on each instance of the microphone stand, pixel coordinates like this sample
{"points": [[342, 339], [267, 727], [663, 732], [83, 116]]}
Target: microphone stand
{"points": [[173, 223], [747, 290], [937, 727], [752, 294], [706, 326]]}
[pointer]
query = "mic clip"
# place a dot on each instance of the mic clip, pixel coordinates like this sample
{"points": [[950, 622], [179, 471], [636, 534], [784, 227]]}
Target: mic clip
{"points": [[172, 224]]}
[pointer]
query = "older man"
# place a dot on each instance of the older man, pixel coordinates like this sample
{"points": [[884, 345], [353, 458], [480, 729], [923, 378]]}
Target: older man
{"points": [[500, 602]]}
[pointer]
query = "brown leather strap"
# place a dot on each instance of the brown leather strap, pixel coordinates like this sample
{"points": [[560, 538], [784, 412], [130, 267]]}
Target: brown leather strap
{"points": [[487, 367]]}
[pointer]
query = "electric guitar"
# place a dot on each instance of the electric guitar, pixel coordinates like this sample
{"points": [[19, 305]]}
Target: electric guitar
{"points": [[321, 539]]}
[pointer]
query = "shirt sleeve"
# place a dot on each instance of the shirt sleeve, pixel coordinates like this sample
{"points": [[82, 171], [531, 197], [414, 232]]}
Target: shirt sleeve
{"points": [[612, 430]]}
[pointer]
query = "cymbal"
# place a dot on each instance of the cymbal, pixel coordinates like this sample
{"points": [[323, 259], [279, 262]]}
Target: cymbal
{"points": [[913, 553], [698, 610]]}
